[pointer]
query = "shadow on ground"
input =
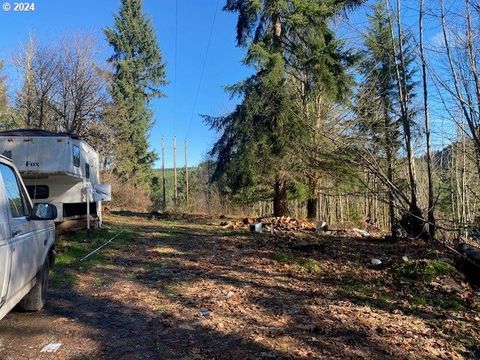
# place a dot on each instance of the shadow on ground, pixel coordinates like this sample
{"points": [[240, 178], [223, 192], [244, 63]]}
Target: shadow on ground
{"points": [[143, 301]]}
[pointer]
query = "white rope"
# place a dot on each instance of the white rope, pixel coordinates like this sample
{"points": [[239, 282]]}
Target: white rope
{"points": [[101, 246]]}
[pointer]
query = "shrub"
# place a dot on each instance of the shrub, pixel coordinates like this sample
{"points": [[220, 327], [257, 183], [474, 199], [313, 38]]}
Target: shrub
{"points": [[424, 270]]}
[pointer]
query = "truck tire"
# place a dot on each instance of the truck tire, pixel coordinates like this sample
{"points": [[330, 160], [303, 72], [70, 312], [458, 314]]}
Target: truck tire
{"points": [[35, 299]]}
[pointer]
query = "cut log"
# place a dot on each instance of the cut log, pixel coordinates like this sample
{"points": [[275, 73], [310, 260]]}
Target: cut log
{"points": [[470, 251]]}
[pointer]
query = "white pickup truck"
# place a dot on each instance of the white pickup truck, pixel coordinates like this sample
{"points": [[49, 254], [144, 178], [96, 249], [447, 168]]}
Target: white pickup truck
{"points": [[27, 236]]}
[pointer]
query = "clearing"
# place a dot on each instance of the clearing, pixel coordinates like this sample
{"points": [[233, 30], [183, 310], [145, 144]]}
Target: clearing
{"points": [[189, 289]]}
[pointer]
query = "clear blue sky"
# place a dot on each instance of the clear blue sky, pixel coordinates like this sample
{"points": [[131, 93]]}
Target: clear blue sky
{"points": [[53, 19]]}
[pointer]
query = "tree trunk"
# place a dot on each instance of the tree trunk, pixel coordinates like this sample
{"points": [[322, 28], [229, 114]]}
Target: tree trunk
{"points": [[431, 204], [312, 201], [412, 221], [280, 200], [390, 151], [312, 208]]}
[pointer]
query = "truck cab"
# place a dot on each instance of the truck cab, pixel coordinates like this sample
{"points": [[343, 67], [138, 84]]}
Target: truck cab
{"points": [[27, 236]]}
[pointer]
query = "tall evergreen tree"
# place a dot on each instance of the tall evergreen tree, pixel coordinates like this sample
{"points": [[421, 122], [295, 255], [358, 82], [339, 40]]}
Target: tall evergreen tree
{"points": [[256, 142], [139, 75], [378, 102], [321, 69], [376, 106], [412, 220]]}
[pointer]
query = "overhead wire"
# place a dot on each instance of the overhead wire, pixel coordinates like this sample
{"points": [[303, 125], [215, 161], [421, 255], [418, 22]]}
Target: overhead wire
{"points": [[175, 69], [202, 72]]}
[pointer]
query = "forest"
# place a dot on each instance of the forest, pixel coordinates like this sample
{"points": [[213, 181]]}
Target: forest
{"points": [[373, 125]]}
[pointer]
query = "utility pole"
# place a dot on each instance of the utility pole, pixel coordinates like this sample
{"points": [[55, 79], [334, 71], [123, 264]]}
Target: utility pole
{"points": [[175, 193], [186, 174], [164, 204]]}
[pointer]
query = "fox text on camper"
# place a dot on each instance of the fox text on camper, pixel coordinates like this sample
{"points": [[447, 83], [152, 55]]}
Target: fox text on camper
{"points": [[32, 164]]}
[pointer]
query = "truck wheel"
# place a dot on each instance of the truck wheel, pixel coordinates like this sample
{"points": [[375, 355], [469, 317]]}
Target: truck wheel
{"points": [[35, 299]]}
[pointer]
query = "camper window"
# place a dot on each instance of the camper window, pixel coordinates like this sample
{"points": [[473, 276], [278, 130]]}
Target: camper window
{"points": [[38, 191], [87, 171], [76, 156]]}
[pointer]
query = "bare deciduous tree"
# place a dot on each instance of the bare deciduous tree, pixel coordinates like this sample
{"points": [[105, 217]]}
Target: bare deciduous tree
{"points": [[37, 66], [81, 96], [63, 87]]}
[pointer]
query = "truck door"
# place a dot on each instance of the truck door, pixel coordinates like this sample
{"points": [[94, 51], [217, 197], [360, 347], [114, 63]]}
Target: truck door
{"points": [[5, 250], [25, 238]]}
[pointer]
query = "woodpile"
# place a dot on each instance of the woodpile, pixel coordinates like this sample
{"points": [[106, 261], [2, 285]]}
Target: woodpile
{"points": [[283, 223], [287, 223]]}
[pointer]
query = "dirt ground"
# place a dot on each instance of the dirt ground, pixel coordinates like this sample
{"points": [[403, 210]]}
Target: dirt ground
{"points": [[188, 289]]}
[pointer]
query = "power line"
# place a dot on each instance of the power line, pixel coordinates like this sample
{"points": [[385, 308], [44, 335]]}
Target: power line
{"points": [[175, 69], [203, 67]]}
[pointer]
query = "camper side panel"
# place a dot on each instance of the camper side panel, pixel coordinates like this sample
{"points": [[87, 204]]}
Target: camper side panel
{"points": [[89, 164], [37, 155]]}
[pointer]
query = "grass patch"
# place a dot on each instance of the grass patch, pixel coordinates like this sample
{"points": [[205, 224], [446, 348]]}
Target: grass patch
{"points": [[152, 266], [348, 280], [309, 265], [98, 282], [132, 275], [450, 303], [59, 277], [417, 299], [424, 270], [301, 264], [70, 253], [370, 293], [170, 287], [438, 301], [72, 247], [346, 293], [284, 258]]}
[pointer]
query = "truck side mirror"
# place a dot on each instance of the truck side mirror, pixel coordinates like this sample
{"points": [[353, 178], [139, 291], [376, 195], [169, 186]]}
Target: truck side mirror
{"points": [[44, 211]]}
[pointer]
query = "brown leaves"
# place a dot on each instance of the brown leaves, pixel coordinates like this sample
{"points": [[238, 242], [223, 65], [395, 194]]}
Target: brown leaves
{"points": [[260, 305]]}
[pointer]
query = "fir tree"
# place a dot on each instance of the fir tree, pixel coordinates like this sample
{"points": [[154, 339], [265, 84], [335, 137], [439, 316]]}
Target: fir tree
{"points": [[282, 38], [139, 74], [378, 101]]}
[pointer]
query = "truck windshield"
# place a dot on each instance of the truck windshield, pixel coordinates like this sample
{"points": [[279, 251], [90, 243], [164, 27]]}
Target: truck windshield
{"points": [[16, 199]]}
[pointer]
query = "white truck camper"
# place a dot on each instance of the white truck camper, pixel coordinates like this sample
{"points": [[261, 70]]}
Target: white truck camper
{"points": [[58, 168]]}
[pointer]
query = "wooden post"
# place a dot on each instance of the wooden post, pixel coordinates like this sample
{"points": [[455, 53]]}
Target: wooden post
{"points": [[87, 191], [175, 190], [164, 203]]}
